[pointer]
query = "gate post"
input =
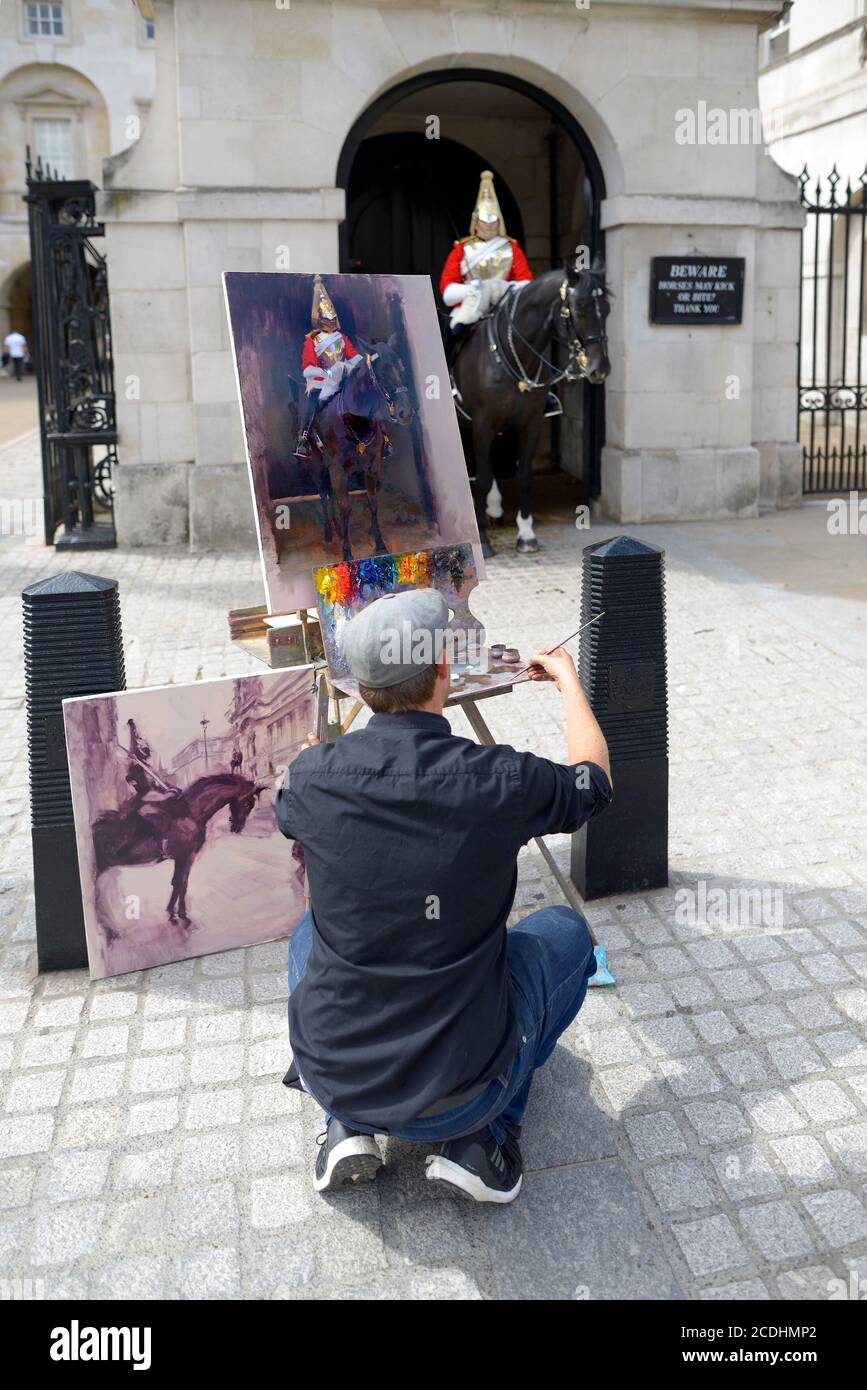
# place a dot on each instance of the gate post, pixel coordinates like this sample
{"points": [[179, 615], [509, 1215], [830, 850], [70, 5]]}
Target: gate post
{"points": [[622, 666], [72, 646]]}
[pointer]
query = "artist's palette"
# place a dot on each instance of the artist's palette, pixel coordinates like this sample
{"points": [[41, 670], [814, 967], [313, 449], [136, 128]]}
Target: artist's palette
{"points": [[344, 590]]}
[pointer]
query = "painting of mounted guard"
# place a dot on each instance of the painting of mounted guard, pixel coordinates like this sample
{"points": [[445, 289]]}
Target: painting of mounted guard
{"points": [[352, 440], [173, 795]]}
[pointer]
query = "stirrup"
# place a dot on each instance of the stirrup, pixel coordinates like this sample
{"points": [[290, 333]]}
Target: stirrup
{"points": [[553, 406]]}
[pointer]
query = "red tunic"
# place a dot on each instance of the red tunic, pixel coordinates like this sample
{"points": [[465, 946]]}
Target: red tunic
{"points": [[519, 269], [309, 358]]}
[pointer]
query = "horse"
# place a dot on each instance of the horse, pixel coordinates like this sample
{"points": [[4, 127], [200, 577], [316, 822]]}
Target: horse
{"points": [[128, 836], [503, 377], [351, 431]]}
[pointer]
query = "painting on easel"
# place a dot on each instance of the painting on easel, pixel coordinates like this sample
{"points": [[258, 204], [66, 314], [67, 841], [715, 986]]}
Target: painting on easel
{"points": [[352, 439], [173, 794], [344, 590]]}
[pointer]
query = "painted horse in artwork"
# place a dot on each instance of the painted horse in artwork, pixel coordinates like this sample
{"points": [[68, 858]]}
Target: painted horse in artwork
{"points": [[352, 432], [503, 376], [175, 829]]}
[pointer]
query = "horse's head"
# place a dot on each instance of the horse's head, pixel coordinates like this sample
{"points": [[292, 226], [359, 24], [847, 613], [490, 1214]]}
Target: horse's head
{"points": [[581, 321], [240, 806], [386, 374]]}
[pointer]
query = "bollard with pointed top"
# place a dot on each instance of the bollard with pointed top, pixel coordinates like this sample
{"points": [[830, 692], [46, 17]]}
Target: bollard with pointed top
{"points": [[622, 666], [72, 646]]}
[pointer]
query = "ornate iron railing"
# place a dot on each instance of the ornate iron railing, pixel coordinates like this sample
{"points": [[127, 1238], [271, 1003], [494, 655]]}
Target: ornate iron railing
{"points": [[73, 359], [832, 391]]}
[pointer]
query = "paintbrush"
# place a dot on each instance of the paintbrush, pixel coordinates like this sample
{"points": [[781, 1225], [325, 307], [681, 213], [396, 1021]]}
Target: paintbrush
{"points": [[558, 645]]}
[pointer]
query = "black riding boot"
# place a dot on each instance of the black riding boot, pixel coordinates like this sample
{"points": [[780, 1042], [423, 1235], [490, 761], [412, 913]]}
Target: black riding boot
{"points": [[308, 419]]}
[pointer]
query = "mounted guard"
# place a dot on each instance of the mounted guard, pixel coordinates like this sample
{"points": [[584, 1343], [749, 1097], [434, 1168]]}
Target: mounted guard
{"points": [[327, 358], [481, 266]]}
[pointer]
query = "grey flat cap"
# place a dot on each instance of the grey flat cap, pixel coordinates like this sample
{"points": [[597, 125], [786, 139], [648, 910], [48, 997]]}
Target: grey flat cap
{"points": [[395, 637]]}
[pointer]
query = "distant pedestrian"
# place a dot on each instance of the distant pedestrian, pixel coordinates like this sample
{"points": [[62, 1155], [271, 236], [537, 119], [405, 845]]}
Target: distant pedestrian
{"points": [[237, 759], [15, 344]]}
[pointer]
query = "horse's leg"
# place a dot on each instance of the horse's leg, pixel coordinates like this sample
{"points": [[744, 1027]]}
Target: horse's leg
{"points": [[184, 866], [340, 490], [177, 907], [528, 438], [102, 918], [494, 503], [326, 501], [372, 475], [482, 438]]}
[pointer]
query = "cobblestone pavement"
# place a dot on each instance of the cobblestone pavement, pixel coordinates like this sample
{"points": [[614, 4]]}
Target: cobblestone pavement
{"points": [[701, 1132]]}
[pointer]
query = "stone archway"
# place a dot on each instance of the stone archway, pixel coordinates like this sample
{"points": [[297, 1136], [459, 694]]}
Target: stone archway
{"points": [[412, 160], [16, 307]]}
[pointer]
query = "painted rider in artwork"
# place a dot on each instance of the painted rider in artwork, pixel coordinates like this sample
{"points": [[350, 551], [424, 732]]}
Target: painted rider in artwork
{"points": [[327, 357], [150, 793], [480, 266]]}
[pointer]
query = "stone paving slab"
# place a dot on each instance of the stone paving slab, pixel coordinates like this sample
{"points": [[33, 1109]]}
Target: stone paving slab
{"points": [[701, 1132]]}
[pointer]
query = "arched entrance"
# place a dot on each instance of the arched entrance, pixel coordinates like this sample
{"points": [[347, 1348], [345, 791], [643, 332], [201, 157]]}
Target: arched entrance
{"points": [[410, 167], [16, 305]]}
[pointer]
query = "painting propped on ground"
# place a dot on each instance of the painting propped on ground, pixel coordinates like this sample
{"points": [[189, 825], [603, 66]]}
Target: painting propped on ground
{"points": [[343, 591], [384, 469], [173, 795]]}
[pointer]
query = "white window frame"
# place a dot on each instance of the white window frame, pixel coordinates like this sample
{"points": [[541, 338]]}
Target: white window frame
{"points": [[28, 37], [57, 119], [53, 106]]}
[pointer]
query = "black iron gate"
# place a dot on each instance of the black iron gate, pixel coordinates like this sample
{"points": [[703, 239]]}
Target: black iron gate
{"points": [[832, 391], [72, 356]]}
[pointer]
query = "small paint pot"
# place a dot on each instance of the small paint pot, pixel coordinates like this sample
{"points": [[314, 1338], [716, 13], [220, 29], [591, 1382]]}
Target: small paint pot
{"points": [[511, 656], [497, 650]]}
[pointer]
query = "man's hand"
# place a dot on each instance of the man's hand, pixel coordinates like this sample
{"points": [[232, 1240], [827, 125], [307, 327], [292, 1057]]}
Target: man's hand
{"points": [[310, 742], [554, 666]]}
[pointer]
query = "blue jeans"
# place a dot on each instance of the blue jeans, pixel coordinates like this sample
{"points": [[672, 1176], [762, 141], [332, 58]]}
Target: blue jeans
{"points": [[550, 960]]}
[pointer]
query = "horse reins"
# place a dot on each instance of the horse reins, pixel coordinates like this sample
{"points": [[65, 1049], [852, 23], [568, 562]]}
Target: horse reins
{"points": [[577, 345], [362, 445]]}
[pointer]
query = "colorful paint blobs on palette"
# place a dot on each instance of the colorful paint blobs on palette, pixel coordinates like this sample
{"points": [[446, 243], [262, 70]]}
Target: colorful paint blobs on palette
{"points": [[383, 470], [173, 794], [342, 591]]}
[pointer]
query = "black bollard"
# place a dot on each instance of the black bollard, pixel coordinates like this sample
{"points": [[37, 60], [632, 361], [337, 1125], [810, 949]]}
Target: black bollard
{"points": [[72, 646], [623, 671]]}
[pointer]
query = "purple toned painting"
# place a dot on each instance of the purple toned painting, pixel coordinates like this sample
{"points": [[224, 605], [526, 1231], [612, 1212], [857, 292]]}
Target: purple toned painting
{"points": [[173, 793], [352, 439]]}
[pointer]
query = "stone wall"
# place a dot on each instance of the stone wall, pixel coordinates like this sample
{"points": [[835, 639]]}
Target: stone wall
{"points": [[98, 76], [238, 163]]}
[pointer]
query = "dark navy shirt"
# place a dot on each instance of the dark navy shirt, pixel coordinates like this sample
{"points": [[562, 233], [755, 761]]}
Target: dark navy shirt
{"points": [[410, 836]]}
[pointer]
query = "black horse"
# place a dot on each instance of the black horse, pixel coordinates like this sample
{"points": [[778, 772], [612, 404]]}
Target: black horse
{"points": [[174, 828], [352, 431], [503, 376]]}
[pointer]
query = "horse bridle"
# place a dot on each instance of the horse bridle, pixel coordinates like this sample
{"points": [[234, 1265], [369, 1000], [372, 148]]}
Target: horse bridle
{"points": [[577, 344], [369, 359]]}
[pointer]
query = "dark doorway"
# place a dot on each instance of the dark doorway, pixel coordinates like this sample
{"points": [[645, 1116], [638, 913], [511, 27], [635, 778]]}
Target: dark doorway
{"points": [[407, 202]]}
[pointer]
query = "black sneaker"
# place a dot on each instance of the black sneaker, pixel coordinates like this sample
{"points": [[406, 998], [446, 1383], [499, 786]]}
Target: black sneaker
{"points": [[479, 1167], [344, 1157]]}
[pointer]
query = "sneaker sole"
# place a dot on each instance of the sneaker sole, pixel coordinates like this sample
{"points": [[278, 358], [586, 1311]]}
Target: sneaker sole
{"points": [[355, 1160], [438, 1169]]}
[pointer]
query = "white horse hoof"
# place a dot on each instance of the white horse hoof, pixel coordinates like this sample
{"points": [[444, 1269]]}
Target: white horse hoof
{"points": [[527, 547]]}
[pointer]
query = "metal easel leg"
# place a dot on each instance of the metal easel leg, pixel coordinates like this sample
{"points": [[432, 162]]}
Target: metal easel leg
{"points": [[568, 889]]}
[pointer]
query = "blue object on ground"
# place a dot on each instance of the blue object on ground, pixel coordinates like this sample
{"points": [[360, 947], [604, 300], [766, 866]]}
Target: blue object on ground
{"points": [[603, 975]]}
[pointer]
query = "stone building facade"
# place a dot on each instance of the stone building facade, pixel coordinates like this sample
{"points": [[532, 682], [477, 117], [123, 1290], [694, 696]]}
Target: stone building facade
{"points": [[262, 110], [76, 82]]}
